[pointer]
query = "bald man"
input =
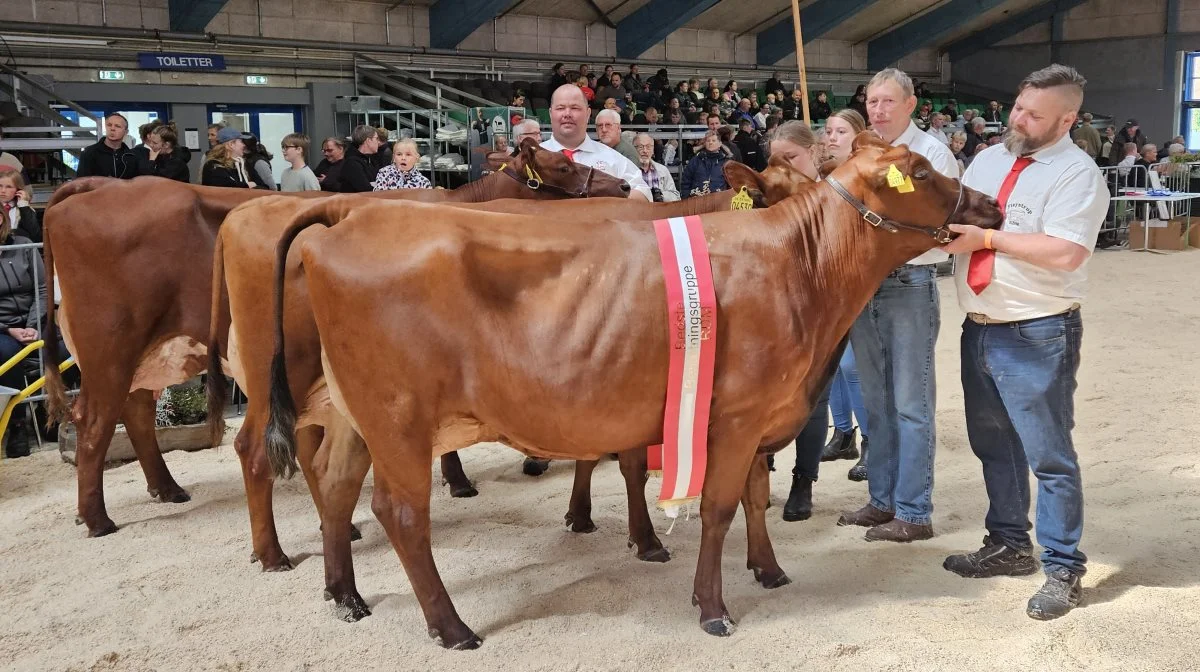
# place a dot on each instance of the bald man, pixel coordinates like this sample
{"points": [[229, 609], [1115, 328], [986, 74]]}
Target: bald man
{"points": [[568, 134]]}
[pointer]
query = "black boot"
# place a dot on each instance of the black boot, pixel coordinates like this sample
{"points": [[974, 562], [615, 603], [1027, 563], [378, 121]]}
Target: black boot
{"points": [[18, 438], [799, 502], [859, 471], [840, 446]]}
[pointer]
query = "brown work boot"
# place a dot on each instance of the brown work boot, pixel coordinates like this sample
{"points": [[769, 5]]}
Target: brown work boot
{"points": [[899, 531], [867, 516]]}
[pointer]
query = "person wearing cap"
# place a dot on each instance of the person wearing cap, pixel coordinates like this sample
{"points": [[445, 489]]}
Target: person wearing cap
{"points": [[1131, 132], [225, 165]]}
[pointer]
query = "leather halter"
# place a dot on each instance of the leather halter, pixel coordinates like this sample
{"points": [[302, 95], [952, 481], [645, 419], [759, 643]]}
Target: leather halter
{"points": [[941, 234], [535, 182]]}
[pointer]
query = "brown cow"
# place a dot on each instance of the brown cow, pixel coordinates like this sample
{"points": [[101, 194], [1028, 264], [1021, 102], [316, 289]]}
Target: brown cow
{"points": [[135, 270], [789, 281], [243, 328]]}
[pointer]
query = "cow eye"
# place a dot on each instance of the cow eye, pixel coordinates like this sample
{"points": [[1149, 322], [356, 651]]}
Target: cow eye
{"points": [[921, 174]]}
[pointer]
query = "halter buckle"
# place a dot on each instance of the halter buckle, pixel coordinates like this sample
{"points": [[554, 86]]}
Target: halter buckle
{"points": [[943, 235], [533, 184], [873, 218]]}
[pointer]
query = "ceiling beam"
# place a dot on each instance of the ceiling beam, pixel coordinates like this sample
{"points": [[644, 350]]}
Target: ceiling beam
{"points": [[654, 21], [193, 16], [923, 31], [452, 21], [1010, 27], [779, 41]]}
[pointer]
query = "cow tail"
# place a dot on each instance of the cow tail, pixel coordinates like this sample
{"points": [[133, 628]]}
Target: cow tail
{"points": [[281, 423], [216, 385]]}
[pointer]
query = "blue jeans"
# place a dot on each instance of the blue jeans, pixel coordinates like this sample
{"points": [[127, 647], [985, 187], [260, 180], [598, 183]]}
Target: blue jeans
{"points": [[893, 342], [1019, 392], [846, 396]]}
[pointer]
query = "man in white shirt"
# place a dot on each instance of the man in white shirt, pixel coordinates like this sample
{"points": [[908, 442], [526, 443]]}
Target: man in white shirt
{"points": [[936, 124], [654, 173], [1021, 287], [568, 134], [893, 341]]}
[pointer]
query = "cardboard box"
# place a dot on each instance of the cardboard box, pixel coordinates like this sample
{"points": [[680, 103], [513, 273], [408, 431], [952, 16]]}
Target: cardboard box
{"points": [[1164, 234], [1194, 236]]}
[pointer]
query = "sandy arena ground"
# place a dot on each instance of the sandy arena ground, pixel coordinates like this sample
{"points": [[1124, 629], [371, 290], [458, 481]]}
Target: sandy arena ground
{"points": [[174, 589]]}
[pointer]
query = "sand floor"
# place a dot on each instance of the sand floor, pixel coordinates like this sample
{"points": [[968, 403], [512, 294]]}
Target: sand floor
{"points": [[174, 589]]}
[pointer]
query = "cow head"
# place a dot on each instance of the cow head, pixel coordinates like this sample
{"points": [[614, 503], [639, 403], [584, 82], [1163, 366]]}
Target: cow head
{"points": [[556, 176], [898, 189], [769, 187]]}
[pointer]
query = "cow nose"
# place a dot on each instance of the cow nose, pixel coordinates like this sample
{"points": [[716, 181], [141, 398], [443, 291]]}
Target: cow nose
{"points": [[625, 187]]}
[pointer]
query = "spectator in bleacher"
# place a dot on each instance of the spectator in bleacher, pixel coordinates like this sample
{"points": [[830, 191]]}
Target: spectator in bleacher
{"points": [[725, 133], [608, 132], [164, 157], [674, 117], [656, 175], [937, 124], [225, 164], [1110, 135], [403, 173], [731, 87], [924, 116], [568, 123], [110, 157], [975, 135], [585, 70], [660, 81], [1127, 161], [615, 90], [742, 111], [705, 172], [650, 117], [760, 119], [1089, 135], [994, 113], [714, 98], [558, 76], [329, 170], [528, 128], [894, 341], [1129, 133], [920, 90], [793, 107], [773, 84], [593, 83], [753, 98], [588, 93], [258, 163], [820, 109], [958, 142], [17, 214], [858, 102], [951, 110], [358, 172], [297, 176], [748, 146], [633, 80], [968, 119]]}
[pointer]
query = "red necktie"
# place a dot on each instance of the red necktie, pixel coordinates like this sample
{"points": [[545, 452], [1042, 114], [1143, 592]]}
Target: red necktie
{"points": [[983, 262], [569, 153]]}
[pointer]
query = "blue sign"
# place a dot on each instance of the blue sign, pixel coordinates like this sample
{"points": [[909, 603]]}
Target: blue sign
{"points": [[175, 61]]}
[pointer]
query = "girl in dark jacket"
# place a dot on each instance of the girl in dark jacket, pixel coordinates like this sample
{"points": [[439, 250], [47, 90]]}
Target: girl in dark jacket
{"points": [[163, 158], [224, 166], [15, 210], [705, 173]]}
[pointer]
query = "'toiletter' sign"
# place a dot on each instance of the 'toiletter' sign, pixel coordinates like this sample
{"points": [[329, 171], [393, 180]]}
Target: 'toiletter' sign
{"points": [[175, 61]]}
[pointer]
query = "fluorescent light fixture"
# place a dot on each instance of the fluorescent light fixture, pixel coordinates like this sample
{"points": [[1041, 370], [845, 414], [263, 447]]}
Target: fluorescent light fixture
{"points": [[66, 41]]}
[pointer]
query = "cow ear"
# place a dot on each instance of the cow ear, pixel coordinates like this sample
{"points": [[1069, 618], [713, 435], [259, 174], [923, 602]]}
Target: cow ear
{"points": [[495, 159], [827, 168], [529, 149], [738, 175], [868, 139]]}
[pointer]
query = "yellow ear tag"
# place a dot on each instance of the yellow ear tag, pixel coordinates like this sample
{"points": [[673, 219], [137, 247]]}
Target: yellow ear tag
{"points": [[895, 178], [906, 187], [742, 201]]}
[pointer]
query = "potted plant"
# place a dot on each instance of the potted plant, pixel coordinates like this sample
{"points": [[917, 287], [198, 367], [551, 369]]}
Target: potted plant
{"points": [[180, 418]]}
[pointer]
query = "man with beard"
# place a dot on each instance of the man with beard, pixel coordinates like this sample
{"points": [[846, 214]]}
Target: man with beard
{"points": [[1021, 287]]}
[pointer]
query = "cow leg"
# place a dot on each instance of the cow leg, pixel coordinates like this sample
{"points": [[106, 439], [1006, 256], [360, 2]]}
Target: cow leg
{"points": [[256, 476], [312, 447], [760, 556], [729, 458], [579, 512], [641, 529], [138, 417], [343, 463], [401, 503], [95, 417], [453, 474]]}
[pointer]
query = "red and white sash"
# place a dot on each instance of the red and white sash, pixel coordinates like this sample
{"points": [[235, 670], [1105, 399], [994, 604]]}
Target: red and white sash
{"points": [[692, 320]]}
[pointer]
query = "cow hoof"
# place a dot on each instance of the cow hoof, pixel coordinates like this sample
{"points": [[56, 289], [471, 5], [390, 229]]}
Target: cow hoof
{"points": [[534, 467], [719, 627], [467, 490], [355, 533], [469, 642], [580, 525], [179, 496], [350, 608], [102, 529], [283, 564], [771, 581], [659, 554]]}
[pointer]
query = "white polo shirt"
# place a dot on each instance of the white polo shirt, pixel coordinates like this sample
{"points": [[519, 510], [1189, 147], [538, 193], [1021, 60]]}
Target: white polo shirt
{"points": [[605, 159], [942, 160], [1060, 194]]}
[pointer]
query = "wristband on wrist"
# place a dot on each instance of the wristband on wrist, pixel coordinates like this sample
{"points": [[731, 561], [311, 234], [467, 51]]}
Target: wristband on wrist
{"points": [[987, 239]]}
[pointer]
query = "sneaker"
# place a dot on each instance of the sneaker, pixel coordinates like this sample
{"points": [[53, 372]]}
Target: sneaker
{"points": [[1060, 594], [994, 559]]}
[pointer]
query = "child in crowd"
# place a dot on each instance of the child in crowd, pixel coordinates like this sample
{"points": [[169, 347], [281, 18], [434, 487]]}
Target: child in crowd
{"points": [[403, 173], [297, 176]]}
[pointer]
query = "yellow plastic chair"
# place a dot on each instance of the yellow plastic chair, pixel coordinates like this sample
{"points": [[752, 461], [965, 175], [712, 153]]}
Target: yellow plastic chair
{"points": [[21, 395]]}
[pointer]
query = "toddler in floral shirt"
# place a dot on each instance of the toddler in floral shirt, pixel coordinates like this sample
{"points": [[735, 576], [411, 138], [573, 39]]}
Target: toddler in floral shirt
{"points": [[403, 173]]}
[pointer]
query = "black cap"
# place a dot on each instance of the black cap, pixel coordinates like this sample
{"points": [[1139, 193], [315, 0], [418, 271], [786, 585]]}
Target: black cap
{"points": [[1132, 122]]}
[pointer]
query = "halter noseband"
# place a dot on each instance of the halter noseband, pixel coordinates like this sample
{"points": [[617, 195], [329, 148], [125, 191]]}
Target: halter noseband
{"points": [[942, 234], [534, 182]]}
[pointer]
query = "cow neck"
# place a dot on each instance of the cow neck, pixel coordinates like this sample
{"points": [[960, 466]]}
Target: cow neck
{"points": [[475, 192]]}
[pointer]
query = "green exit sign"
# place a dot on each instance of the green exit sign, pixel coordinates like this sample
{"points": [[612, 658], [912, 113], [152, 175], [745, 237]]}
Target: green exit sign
{"points": [[256, 80], [112, 75]]}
